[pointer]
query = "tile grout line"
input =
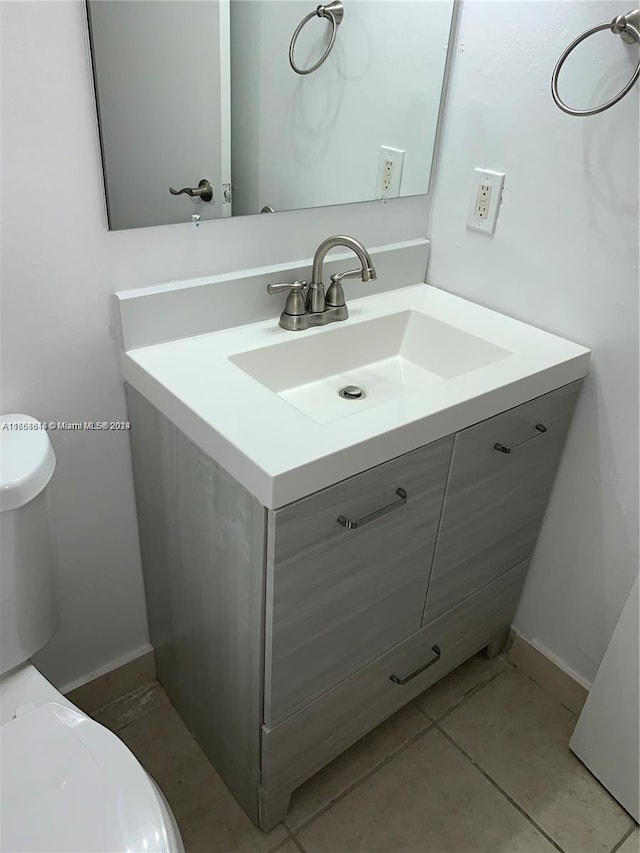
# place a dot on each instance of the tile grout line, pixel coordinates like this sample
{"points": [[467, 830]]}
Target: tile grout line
{"points": [[627, 835], [474, 690], [499, 788], [297, 842], [285, 841], [521, 671], [364, 778]]}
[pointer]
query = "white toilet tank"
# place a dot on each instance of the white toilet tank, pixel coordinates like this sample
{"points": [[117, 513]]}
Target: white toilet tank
{"points": [[28, 610]]}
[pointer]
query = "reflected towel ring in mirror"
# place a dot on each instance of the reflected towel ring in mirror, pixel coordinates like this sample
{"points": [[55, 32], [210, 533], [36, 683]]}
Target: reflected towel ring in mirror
{"points": [[333, 12], [628, 28]]}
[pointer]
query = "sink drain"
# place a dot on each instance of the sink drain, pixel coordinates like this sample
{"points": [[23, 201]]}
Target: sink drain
{"points": [[351, 392]]}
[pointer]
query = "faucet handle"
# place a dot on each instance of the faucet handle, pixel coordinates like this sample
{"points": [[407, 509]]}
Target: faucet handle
{"points": [[295, 304], [282, 286], [337, 277], [364, 273], [335, 294]]}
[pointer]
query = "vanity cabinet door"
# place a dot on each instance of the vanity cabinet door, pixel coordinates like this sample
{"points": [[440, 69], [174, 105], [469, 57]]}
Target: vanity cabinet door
{"points": [[495, 500], [339, 596]]}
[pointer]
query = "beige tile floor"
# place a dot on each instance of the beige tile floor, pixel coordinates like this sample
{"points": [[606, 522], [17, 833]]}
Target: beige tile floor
{"points": [[477, 764]]}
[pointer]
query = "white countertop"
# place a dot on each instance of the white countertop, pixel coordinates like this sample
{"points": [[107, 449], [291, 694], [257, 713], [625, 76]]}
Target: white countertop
{"points": [[280, 454]]}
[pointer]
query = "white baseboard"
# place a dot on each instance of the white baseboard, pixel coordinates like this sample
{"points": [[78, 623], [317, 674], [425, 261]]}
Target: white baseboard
{"points": [[113, 681], [553, 676]]}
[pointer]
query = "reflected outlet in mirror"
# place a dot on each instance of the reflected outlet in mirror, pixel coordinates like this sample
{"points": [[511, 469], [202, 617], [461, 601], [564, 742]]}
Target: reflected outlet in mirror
{"points": [[386, 357]]}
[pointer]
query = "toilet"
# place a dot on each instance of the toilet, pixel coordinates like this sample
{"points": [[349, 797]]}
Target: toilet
{"points": [[66, 783]]}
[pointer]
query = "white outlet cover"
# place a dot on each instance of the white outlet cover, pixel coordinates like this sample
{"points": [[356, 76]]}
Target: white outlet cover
{"points": [[495, 180], [396, 157]]}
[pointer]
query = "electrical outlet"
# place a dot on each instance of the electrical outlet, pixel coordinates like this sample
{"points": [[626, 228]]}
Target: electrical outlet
{"points": [[483, 200], [486, 196], [389, 176]]}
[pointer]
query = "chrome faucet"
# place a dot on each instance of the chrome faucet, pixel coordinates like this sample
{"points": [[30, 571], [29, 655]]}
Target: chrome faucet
{"points": [[307, 304]]}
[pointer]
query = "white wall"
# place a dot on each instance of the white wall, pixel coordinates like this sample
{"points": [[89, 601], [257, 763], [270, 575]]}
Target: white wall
{"points": [[315, 139], [565, 258], [59, 265]]}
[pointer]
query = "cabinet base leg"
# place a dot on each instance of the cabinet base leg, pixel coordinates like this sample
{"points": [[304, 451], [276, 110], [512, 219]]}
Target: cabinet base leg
{"points": [[273, 809], [498, 643]]}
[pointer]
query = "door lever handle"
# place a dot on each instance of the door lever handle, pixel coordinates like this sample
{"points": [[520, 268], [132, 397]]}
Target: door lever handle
{"points": [[203, 191]]}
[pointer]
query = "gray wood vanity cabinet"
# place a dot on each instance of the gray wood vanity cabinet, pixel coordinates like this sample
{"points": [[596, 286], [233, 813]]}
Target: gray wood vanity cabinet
{"points": [[283, 636]]}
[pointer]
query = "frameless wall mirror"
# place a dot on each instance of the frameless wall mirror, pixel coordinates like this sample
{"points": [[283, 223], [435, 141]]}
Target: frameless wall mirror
{"points": [[212, 108]]}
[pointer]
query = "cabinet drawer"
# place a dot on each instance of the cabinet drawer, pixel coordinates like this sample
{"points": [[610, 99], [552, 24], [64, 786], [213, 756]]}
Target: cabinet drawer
{"points": [[495, 501], [299, 747], [337, 597]]}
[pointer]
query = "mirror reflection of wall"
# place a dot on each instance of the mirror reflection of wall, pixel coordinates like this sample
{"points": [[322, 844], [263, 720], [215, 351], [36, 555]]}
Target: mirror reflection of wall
{"points": [[203, 89]]}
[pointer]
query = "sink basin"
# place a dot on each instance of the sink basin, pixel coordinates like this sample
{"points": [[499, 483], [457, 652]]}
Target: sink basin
{"points": [[384, 357], [264, 403]]}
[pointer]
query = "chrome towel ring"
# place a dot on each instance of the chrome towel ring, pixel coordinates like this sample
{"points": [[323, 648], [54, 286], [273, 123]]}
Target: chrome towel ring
{"points": [[333, 12], [628, 28]]}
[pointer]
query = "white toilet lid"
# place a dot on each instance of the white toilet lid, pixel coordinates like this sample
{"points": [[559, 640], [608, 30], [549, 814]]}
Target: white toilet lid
{"points": [[27, 460], [69, 784]]}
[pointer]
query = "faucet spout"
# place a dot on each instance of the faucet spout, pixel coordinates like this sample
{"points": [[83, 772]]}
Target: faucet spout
{"points": [[367, 272], [316, 309]]}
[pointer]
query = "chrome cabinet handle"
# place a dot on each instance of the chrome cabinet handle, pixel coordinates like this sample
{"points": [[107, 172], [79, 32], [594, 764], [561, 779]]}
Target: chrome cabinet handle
{"points": [[351, 525], [401, 681], [203, 191], [540, 428]]}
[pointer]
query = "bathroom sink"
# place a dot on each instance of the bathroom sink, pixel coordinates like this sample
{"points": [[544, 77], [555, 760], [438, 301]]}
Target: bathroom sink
{"points": [[264, 402], [376, 361]]}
